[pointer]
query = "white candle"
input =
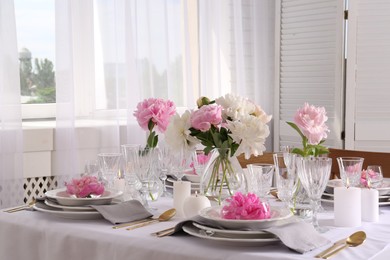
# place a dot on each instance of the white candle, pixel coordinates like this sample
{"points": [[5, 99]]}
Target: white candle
{"points": [[370, 205], [347, 207], [181, 190], [195, 203], [119, 184]]}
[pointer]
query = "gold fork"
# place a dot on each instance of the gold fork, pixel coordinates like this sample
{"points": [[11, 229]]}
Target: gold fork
{"points": [[19, 208]]}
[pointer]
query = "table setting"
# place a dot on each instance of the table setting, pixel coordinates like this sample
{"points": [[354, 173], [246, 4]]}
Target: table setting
{"points": [[200, 204]]}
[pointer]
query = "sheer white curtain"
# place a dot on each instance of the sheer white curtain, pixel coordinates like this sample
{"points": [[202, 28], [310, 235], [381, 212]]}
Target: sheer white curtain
{"points": [[237, 50], [113, 54], [11, 145]]}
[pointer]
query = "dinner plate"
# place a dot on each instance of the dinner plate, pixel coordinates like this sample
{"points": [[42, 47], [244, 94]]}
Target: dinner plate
{"points": [[278, 216], [194, 178], [70, 208], [236, 233], [237, 240], [81, 215], [383, 190], [63, 198]]}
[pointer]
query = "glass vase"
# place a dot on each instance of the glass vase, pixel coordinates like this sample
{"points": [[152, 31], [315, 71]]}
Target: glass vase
{"points": [[223, 176]]}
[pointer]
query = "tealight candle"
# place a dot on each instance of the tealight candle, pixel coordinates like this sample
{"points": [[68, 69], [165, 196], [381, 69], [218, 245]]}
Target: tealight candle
{"points": [[181, 190], [195, 203], [347, 207], [119, 184], [370, 205]]}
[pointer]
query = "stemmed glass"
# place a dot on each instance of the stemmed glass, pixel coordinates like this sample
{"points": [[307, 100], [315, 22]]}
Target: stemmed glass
{"points": [[261, 176], [181, 162], [165, 157], [144, 159], [314, 174], [130, 153], [109, 164], [286, 176]]}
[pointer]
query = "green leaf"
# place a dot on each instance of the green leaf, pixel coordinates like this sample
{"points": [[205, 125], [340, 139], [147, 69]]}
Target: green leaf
{"points": [[207, 149], [150, 125], [298, 151], [296, 129]]}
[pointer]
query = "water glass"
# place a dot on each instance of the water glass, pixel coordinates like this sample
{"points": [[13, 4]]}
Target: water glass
{"points": [[260, 175], [314, 174], [109, 164], [165, 158], [350, 170], [374, 176], [130, 153], [181, 162], [286, 176]]}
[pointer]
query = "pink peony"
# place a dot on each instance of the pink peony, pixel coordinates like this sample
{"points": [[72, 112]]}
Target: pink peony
{"points": [[245, 207], [204, 117], [157, 110], [311, 120], [84, 187]]}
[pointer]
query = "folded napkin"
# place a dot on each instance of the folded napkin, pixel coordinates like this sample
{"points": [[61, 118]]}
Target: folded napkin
{"points": [[298, 236], [127, 211]]}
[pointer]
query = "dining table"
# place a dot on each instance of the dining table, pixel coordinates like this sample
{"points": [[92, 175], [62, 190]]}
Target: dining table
{"points": [[34, 235]]}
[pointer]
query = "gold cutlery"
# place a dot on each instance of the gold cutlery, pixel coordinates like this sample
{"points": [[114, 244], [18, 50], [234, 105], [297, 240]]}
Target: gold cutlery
{"points": [[353, 240], [138, 222], [165, 216], [164, 232], [334, 246], [19, 208]]}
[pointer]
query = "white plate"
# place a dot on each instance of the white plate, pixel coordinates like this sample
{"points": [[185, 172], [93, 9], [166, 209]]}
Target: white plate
{"points": [[383, 190], [70, 208], [278, 216], [237, 241], [82, 215], [63, 198], [236, 233], [194, 178]]}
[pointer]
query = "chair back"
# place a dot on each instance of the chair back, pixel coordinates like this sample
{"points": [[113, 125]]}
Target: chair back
{"points": [[265, 158]]}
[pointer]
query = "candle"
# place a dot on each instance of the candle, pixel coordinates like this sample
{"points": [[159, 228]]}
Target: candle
{"points": [[181, 190], [347, 206], [119, 184], [370, 205], [193, 204]]}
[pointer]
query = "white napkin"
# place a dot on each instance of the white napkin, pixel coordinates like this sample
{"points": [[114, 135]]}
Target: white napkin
{"points": [[298, 236], [128, 211]]}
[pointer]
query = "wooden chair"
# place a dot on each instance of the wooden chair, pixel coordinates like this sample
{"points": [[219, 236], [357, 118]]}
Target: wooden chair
{"points": [[265, 158], [370, 158]]}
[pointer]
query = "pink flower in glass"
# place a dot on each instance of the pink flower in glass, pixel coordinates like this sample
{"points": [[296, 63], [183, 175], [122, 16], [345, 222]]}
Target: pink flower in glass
{"points": [[311, 120], [206, 116]]}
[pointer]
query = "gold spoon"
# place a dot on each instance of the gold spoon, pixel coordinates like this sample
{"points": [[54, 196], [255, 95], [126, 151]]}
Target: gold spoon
{"points": [[16, 209], [334, 246], [165, 216], [353, 240]]}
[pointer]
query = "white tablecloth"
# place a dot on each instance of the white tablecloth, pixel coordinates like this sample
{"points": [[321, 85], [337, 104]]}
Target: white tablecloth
{"points": [[33, 235]]}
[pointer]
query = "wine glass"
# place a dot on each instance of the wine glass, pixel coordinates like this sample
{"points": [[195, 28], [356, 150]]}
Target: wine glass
{"points": [[286, 176], [374, 176], [109, 164], [130, 153], [350, 170], [165, 157], [261, 175], [314, 174], [181, 162]]}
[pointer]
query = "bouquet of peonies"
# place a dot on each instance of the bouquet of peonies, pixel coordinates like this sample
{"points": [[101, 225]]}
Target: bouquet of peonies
{"points": [[232, 125], [85, 187], [154, 112], [245, 207], [309, 122]]}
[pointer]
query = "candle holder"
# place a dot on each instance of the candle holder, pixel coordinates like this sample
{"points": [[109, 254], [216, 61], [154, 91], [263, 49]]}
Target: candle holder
{"points": [[350, 170]]}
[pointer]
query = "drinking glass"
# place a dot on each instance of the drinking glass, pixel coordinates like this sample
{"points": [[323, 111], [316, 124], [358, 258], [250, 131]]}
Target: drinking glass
{"points": [[130, 153], [350, 170], [374, 176], [286, 176], [109, 164], [181, 162], [261, 176], [165, 158], [314, 174]]}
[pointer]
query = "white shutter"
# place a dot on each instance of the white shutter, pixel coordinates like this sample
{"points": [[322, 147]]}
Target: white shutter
{"points": [[309, 65], [368, 80]]}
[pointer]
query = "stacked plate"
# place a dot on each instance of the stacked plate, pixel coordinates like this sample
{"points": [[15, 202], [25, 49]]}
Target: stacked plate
{"points": [[193, 178], [59, 203], [237, 232], [384, 191]]}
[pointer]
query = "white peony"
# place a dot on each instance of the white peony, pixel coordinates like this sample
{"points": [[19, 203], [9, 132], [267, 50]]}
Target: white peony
{"points": [[250, 132], [234, 106], [177, 135]]}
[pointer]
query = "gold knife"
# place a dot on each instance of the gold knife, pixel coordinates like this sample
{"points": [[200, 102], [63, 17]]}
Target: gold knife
{"points": [[132, 223]]}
